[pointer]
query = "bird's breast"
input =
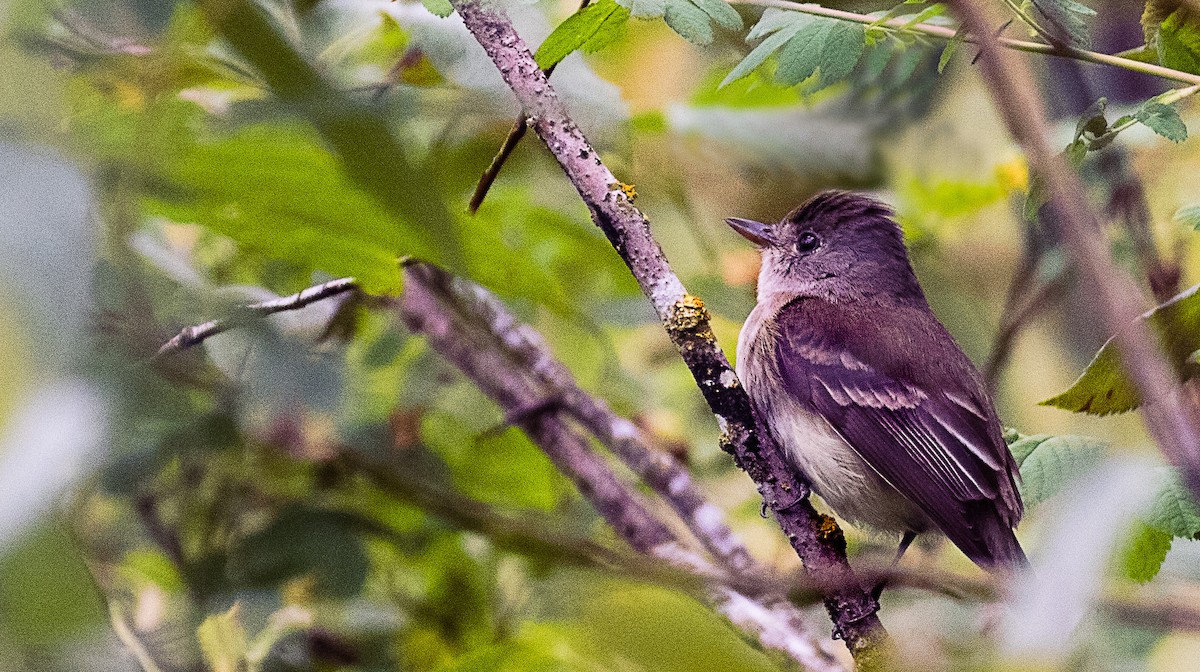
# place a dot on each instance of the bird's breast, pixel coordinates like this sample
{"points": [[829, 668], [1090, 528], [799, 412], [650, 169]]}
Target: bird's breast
{"points": [[853, 489]]}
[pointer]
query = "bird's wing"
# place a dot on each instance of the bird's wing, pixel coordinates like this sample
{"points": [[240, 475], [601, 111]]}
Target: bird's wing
{"points": [[898, 389]]}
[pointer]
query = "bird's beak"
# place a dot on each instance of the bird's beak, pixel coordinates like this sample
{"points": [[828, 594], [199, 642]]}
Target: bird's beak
{"points": [[756, 232]]}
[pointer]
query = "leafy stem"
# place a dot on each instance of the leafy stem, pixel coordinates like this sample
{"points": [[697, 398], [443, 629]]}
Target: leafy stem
{"points": [[948, 33]]}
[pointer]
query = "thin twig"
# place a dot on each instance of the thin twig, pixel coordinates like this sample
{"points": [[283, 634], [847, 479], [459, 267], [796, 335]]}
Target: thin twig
{"points": [[518, 130], [1020, 307], [946, 33], [817, 539], [1170, 417], [192, 336], [431, 307]]}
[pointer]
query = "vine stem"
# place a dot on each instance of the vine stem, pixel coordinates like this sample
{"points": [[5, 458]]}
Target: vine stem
{"points": [[946, 33], [1171, 417], [816, 538]]}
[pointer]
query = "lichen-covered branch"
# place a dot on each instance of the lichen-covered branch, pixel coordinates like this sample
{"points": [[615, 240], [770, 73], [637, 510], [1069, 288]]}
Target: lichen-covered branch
{"points": [[430, 306], [817, 539], [1171, 418], [660, 470]]}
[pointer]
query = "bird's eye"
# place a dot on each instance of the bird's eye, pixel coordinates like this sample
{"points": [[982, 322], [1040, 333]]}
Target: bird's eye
{"points": [[807, 242]]}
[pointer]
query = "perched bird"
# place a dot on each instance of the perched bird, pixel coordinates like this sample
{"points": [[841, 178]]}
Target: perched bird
{"points": [[865, 390]]}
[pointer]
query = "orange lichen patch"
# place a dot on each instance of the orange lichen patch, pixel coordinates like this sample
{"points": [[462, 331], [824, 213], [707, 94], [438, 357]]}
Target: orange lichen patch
{"points": [[629, 190], [829, 532], [689, 314]]}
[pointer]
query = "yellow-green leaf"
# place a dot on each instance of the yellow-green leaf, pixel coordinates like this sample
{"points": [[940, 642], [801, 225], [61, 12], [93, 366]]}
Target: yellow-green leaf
{"points": [[1103, 387], [590, 29], [223, 641]]}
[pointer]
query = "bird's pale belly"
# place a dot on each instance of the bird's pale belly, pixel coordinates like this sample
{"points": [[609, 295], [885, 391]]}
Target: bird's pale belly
{"points": [[851, 488]]}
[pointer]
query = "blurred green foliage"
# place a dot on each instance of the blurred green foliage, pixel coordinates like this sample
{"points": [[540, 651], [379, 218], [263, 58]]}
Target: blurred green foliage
{"points": [[318, 491]]}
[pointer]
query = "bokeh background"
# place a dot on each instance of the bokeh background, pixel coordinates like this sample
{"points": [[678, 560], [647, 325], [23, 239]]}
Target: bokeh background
{"points": [[149, 181]]}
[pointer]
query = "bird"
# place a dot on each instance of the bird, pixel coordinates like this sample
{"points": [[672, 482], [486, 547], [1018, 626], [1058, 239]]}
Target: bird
{"points": [[866, 391]]}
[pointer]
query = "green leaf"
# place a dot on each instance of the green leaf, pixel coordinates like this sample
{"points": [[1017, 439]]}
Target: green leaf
{"points": [[371, 155], [223, 641], [951, 47], [720, 12], [303, 541], [1092, 120], [801, 56], [1178, 42], [590, 29], [1064, 18], [1174, 510], [843, 48], [1162, 119], [278, 193], [906, 64], [830, 47], [781, 26], [1144, 553], [1188, 216], [441, 8], [1103, 388], [691, 19], [1048, 463]]}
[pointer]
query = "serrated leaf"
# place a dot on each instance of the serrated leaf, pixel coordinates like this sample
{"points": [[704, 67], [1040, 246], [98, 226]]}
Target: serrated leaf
{"points": [[1144, 553], [1048, 463], [951, 47], [801, 56], [1174, 510], [590, 29], [1103, 388], [1163, 120], [1178, 42], [843, 48], [648, 9], [1064, 18], [223, 641], [780, 32], [721, 12], [441, 8], [774, 20], [1189, 216], [689, 21], [831, 47]]}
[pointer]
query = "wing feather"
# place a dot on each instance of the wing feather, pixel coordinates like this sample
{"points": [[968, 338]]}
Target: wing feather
{"points": [[912, 414]]}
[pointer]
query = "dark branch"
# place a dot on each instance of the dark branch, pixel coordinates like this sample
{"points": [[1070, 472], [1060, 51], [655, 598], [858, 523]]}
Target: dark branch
{"points": [[817, 539]]}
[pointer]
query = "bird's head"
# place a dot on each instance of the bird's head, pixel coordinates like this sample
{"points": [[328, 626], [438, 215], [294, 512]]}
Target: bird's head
{"points": [[837, 245]]}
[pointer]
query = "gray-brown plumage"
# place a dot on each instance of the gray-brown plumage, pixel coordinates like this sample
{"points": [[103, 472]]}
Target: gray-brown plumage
{"points": [[864, 388]]}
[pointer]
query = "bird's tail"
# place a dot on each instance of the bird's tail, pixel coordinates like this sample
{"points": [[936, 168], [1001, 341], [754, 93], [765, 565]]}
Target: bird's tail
{"points": [[999, 549]]}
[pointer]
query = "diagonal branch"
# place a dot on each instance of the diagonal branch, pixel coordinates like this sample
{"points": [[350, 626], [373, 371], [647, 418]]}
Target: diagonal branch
{"points": [[661, 471], [430, 306], [519, 128], [1170, 417], [817, 539]]}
